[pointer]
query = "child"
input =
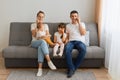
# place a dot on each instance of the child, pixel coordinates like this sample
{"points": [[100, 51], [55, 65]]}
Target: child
{"points": [[59, 39], [42, 34]]}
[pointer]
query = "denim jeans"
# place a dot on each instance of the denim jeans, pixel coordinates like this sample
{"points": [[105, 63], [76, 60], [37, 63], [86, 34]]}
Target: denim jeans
{"points": [[42, 47], [81, 47]]}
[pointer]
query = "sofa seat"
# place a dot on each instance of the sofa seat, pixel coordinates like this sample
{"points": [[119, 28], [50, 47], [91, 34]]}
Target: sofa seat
{"points": [[29, 52]]}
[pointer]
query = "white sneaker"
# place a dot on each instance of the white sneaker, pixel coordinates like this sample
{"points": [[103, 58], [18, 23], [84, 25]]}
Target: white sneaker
{"points": [[39, 73], [51, 65]]}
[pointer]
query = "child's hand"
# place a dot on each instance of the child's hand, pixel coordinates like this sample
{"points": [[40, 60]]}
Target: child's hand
{"points": [[59, 43], [62, 31]]}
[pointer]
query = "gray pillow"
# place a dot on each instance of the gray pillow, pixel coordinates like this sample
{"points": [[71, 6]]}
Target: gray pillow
{"points": [[87, 38]]}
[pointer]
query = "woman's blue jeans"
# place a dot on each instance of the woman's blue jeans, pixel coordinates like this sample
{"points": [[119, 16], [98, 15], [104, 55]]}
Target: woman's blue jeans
{"points": [[42, 47], [81, 47]]}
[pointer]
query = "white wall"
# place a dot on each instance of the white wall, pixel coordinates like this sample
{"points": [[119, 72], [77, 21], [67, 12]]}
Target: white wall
{"points": [[55, 10]]}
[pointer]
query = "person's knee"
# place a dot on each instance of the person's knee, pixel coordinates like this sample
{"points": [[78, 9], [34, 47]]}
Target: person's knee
{"points": [[56, 44], [67, 50], [43, 42], [83, 49], [66, 47]]}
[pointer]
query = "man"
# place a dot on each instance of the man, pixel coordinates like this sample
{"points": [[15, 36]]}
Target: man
{"points": [[75, 32]]}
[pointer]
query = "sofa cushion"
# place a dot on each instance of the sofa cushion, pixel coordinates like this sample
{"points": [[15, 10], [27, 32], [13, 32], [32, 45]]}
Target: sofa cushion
{"points": [[28, 52], [20, 52], [93, 30], [87, 38], [92, 52], [20, 34], [95, 52]]}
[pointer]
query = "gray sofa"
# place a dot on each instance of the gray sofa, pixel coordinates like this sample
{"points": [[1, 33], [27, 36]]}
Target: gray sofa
{"points": [[20, 54]]}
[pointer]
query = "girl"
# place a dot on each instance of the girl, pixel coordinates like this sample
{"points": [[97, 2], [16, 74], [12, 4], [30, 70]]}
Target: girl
{"points": [[59, 39]]}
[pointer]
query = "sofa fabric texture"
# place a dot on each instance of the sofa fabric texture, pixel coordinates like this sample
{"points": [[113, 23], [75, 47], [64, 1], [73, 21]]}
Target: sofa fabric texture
{"points": [[20, 52]]}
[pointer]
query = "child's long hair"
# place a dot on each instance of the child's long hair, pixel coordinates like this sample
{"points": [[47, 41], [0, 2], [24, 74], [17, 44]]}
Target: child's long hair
{"points": [[62, 25]]}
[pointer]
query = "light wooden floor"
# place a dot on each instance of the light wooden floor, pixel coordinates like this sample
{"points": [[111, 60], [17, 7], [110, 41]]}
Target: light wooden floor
{"points": [[100, 74]]}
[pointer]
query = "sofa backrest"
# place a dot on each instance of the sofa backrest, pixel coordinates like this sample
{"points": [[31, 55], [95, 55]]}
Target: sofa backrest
{"points": [[20, 33]]}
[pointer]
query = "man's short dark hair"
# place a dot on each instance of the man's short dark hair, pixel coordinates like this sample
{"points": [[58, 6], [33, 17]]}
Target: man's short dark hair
{"points": [[74, 11]]}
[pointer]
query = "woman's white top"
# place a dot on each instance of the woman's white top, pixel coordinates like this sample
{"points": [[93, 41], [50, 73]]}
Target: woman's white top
{"points": [[39, 33]]}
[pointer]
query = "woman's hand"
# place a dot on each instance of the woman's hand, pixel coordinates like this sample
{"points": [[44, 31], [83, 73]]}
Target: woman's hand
{"points": [[48, 35], [42, 37]]}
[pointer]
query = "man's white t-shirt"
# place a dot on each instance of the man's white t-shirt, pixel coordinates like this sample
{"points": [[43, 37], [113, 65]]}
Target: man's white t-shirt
{"points": [[58, 35], [39, 33], [74, 33]]}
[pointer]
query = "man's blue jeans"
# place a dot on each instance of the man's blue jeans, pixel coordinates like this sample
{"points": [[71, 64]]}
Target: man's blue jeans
{"points": [[81, 47], [42, 47]]}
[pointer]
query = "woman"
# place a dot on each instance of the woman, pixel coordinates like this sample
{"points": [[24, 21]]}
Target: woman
{"points": [[40, 43]]}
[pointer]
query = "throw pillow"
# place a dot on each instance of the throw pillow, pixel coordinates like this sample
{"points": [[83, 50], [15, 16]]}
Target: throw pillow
{"points": [[87, 40]]}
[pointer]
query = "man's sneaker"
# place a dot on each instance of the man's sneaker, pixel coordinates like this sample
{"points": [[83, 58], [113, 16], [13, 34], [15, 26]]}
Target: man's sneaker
{"points": [[39, 73], [51, 65], [70, 73]]}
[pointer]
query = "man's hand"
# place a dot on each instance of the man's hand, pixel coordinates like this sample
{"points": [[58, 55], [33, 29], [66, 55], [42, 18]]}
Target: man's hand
{"points": [[82, 30], [78, 20]]}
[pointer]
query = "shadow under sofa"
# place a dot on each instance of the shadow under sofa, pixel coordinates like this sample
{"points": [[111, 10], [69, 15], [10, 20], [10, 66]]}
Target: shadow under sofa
{"points": [[20, 54]]}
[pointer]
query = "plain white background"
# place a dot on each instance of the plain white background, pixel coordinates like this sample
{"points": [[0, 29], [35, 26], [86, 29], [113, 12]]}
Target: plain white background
{"points": [[55, 10]]}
